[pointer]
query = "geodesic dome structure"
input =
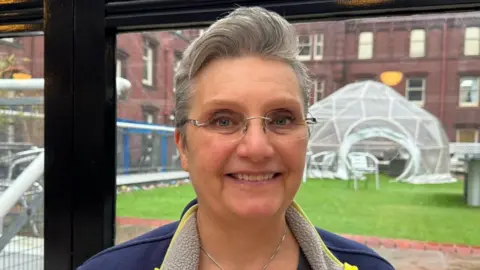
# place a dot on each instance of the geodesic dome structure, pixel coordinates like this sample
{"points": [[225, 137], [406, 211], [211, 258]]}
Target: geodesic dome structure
{"points": [[371, 117]]}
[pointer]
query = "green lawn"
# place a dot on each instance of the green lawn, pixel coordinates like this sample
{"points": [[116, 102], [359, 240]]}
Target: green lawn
{"points": [[420, 212]]}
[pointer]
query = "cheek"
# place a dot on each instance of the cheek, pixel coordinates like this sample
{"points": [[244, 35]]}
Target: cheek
{"points": [[293, 156], [208, 156]]}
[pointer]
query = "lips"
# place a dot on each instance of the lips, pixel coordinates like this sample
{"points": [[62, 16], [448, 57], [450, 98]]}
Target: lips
{"points": [[256, 177]]}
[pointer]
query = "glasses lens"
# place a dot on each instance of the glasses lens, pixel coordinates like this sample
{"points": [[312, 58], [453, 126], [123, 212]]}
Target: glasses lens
{"points": [[225, 125], [286, 126]]}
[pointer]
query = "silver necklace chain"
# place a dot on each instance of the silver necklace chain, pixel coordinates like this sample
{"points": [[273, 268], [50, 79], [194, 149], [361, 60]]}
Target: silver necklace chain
{"points": [[264, 267]]}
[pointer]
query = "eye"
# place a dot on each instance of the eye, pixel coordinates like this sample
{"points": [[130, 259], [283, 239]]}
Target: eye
{"points": [[281, 118], [225, 120], [222, 121]]}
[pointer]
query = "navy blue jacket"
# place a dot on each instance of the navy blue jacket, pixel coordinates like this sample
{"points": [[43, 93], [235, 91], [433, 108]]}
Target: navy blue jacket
{"points": [[147, 251]]}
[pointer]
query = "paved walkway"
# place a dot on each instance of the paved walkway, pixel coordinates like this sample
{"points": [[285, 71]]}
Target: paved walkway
{"points": [[403, 254], [404, 259]]}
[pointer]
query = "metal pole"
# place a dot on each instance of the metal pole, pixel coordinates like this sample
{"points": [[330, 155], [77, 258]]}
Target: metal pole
{"points": [[21, 184], [473, 179], [35, 84]]}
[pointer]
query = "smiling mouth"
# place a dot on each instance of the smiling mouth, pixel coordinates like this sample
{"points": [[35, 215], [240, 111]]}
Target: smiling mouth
{"points": [[254, 177]]}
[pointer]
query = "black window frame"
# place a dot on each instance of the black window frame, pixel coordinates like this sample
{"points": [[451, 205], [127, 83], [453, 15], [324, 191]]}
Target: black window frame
{"points": [[80, 129]]}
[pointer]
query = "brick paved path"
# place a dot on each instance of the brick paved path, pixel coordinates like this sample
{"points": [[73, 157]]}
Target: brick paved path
{"points": [[404, 259]]}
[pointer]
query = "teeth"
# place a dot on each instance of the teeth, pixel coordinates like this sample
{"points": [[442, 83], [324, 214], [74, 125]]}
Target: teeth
{"points": [[256, 177]]}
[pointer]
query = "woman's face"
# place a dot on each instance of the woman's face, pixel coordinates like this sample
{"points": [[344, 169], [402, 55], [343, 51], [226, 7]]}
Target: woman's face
{"points": [[256, 175]]}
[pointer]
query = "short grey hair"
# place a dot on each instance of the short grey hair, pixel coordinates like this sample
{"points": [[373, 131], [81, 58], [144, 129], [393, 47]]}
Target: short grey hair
{"points": [[245, 31]]}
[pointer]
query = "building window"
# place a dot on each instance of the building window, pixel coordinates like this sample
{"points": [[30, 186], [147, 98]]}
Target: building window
{"points": [[472, 41], [417, 43], [318, 91], [319, 45], [121, 63], [148, 158], [365, 45], [305, 44], [148, 50], [148, 117], [468, 93], [119, 67], [467, 135], [415, 90], [121, 71], [176, 63]]}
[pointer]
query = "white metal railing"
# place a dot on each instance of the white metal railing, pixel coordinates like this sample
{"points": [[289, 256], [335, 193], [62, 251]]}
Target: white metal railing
{"points": [[22, 183], [464, 148], [122, 84], [123, 124]]}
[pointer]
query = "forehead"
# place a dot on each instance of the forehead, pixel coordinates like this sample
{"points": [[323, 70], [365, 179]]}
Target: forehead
{"points": [[246, 82]]}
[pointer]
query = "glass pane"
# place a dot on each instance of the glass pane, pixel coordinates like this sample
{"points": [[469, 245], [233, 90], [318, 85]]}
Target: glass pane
{"points": [[415, 83], [365, 51], [468, 91], [418, 35], [320, 38], [21, 148], [304, 39], [366, 38], [472, 33], [415, 95], [472, 47], [466, 136], [373, 117], [417, 49], [305, 50]]}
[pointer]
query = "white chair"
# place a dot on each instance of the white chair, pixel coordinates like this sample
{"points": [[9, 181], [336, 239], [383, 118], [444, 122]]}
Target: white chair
{"points": [[362, 163], [320, 165]]}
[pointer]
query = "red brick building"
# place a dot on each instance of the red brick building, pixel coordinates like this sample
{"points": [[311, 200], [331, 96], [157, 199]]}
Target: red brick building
{"points": [[439, 56], [148, 61]]}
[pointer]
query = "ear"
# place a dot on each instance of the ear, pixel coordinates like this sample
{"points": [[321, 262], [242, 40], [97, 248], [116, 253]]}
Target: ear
{"points": [[182, 149]]}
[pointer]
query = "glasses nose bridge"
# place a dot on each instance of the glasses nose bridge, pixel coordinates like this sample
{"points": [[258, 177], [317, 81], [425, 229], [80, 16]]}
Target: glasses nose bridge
{"points": [[247, 119]]}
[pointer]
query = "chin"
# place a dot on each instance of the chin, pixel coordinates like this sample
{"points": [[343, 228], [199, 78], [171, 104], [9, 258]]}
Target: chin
{"points": [[255, 208]]}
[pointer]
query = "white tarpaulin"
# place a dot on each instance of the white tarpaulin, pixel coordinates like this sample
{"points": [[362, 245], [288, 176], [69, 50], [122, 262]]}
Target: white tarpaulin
{"points": [[372, 117]]}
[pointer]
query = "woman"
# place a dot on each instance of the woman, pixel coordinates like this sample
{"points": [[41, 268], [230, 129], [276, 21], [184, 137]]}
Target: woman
{"points": [[242, 133]]}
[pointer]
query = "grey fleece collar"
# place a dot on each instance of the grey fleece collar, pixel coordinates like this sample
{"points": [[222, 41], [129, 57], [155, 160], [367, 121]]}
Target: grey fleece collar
{"points": [[184, 250]]}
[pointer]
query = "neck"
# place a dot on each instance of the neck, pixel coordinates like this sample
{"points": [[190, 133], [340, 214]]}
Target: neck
{"points": [[238, 243]]}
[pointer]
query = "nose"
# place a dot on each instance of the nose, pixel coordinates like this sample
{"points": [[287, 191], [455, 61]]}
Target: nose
{"points": [[255, 144]]}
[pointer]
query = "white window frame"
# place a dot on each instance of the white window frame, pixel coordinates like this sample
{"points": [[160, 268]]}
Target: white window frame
{"points": [[422, 89], [457, 134], [364, 80], [365, 41], [318, 89], [309, 44], [417, 43], [9, 39], [471, 46], [148, 61], [464, 83], [318, 49], [118, 68]]}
